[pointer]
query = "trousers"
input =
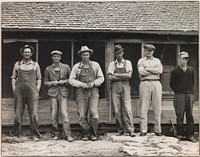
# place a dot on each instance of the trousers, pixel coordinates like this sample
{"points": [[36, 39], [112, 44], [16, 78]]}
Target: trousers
{"points": [[150, 93]]}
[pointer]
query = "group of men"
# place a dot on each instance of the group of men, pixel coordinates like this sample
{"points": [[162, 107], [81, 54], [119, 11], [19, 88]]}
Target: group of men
{"points": [[86, 76]]}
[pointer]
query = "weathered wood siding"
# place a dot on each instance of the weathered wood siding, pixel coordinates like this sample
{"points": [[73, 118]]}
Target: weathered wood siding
{"points": [[104, 112]]}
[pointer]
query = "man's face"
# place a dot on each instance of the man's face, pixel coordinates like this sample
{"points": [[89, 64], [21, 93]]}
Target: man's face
{"points": [[85, 56], [119, 55], [27, 53], [183, 61], [148, 52], [56, 58]]}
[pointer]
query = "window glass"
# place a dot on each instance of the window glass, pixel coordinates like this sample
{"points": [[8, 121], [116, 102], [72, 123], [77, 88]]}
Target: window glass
{"points": [[132, 52], [99, 56], [10, 55], [45, 49], [167, 55]]}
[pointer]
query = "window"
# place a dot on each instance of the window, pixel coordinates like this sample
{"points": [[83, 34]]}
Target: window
{"points": [[192, 50], [167, 55], [10, 55], [132, 52]]}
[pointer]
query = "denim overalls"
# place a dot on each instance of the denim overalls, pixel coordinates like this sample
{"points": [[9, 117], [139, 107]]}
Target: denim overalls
{"points": [[87, 99], [26, 92], [121, 100]]}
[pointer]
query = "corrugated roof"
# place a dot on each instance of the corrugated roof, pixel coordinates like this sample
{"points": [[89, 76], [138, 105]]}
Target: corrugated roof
{"points": [[126, 16]]}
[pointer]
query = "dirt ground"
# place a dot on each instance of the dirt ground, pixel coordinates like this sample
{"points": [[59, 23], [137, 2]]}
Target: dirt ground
{"points": [[12, 146], [107, 145]]}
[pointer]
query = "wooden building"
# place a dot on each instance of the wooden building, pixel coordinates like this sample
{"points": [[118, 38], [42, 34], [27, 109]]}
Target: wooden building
{"points": [[172, 26]]}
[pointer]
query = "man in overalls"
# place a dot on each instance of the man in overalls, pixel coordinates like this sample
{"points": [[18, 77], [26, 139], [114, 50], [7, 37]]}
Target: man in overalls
{"points": [[56, 78], [150, 89], [87, 76], [119, 73], [26, 83]]}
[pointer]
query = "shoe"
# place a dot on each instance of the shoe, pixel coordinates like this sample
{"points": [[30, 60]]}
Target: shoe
{"points": [[158, 134], [179, 137], [85, 138], [55, 138], [192, 139], [132, 134], [143, 134], [35, 139], [119, 134], [70, 139], [93, 138]]}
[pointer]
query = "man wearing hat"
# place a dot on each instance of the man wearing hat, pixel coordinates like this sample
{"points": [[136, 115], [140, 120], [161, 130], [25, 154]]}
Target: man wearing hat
{"points": [[26, 83], [150, 89], [182, 83], [87, 76], [119, 73], [56, 78]]}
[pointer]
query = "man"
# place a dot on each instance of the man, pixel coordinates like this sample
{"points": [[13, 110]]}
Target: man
{"points": [[119, 73], [87, 76], [182, 83], [56, 78], [150, 89], [26, 83]]}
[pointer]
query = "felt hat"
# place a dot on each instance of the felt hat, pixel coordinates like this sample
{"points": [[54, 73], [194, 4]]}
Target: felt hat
{"points": [[27, 46], [118, 48], [84, 49]]}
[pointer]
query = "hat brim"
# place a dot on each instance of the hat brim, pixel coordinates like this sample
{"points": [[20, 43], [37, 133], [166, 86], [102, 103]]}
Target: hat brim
{"points": [[32, 49], [80, 52], [184, 56], [118, 51]]}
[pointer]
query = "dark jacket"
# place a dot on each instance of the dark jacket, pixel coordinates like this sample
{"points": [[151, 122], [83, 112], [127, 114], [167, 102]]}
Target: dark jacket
{"points": [[50, 76]]}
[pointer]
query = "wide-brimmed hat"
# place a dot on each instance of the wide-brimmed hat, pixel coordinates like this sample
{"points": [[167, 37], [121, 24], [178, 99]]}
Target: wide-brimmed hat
{"points": [[27, 46], [149, 47], [118, 48], [56, 52], [84, 49], [184, 54]]}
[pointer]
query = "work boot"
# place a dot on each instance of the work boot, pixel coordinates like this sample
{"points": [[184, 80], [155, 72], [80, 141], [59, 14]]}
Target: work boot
{"points": [[56, 137], [158, 134], [132, 134], [70, 139], [119, 133], [192, 139], [93, 138], [85, 138], [143, 134]]}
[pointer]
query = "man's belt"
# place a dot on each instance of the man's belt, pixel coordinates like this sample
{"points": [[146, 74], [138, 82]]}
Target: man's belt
{"points": [[150, 80]]}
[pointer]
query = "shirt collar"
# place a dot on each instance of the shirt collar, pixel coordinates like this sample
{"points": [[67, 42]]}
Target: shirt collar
{"points": [[149, 59], [54, 65], [81, 64], [119, 62], [29, 62]]}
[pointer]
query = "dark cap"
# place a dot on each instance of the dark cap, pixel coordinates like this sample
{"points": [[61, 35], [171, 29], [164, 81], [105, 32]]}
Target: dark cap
{"points": [[118, 48], [149, 47], [27, 46]]}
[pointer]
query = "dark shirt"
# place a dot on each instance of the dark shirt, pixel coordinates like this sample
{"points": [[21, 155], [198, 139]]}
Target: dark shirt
{"points": [[182, 82]]}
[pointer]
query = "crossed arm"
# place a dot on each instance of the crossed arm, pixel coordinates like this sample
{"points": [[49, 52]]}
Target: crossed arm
{"points": [[119, 76]]}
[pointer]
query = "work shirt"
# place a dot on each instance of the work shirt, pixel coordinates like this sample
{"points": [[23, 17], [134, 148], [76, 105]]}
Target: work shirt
{"points": [[26, 66], [113, 64], [149, 63], [76, 70]]}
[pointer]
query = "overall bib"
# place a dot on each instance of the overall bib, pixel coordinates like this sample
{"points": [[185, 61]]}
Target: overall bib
{"points": [[87, 99], [26, 92], [121, 101]]}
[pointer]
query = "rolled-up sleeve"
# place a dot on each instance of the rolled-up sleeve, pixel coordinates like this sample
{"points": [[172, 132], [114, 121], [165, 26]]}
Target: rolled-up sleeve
{"points": [[14, 73], [159, 67], [73, 77], [100, 76], [38, 72], [111, 68], [141, 69], [128, 66]]}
